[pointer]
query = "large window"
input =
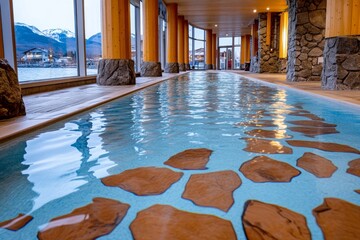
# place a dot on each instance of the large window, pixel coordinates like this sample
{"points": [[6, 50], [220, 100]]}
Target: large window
{"points": [[58, 39], [196, 47], [45, 39], [92, 35]]}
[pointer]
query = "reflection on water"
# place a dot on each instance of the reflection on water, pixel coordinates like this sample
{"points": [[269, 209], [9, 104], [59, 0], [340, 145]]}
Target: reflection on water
{"points": [[52, 171]]}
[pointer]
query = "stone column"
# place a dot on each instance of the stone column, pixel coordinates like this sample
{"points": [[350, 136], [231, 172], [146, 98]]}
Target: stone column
{"points": [[151, 67], [306, 39], [245, 52], [213, 46], [186, 45], [181, 43], [172, 65], [208, 51], [116, 67], [342, 46]]}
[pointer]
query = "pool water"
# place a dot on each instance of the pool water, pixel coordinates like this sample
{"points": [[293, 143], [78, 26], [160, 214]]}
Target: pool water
{"points": [[55, 170]]}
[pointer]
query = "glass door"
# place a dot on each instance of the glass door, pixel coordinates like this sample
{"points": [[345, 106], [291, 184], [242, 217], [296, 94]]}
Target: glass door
{"points": [[225, 58]]}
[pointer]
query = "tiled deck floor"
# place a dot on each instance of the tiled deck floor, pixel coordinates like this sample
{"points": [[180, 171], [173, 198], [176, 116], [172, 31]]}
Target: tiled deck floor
{"points": [[48, 107]]}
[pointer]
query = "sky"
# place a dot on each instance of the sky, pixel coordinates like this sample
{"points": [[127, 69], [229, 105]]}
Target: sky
{"points": [[47, 14]]}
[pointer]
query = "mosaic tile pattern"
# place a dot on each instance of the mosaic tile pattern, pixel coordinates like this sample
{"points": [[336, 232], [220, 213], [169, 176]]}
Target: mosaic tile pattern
{"points": [[16, 223], [143, 181], [338, 219], [317, 165], [167, 222], [213, 189], [267, 221], [89, 222], [265, 169]]}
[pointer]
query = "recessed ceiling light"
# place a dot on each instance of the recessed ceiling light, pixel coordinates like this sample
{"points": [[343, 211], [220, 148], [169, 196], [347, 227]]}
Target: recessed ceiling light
{"points": [[226, 34], [268, 8], [254, 11], [215, 25]]}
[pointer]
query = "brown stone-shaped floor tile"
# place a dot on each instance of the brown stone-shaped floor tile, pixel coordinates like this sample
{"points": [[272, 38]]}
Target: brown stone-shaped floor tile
{"points": [[266, 146], [314, 131], [257, 123], [167, 222], [268, 221], [212, 189], [354, 167], [262, 133], [191, 159], [311, 123], [324, 146], [89, 222], [265, 169], [317, 165], [306, 114], [16, 223], [144, 181], [338, 219], [357, 191]]}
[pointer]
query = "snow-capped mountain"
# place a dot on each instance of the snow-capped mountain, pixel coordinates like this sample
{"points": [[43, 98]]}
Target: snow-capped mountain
{"points": [[35, 30], [59, 34]]}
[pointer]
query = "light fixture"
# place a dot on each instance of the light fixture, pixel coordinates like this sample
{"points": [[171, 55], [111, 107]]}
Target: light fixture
{"points": [[215, 25], [267, 8], [254, 11], [226, 34]]}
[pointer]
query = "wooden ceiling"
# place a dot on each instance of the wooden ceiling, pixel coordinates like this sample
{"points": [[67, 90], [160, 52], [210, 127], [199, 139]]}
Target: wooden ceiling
{"points": [[233, 17]]}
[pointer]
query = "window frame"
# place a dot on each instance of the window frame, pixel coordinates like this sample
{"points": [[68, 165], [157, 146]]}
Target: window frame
{"points": [[9, 42]]}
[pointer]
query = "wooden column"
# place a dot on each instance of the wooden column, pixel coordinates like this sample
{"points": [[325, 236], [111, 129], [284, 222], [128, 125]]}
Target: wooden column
{"points": [[116, 32], [151, 67], [245, 50], [255, 38], [213, 60], [342, 18], [186, 45], [172, 66], [208, 56], [180, 45], [116, 67], [268, 28]]}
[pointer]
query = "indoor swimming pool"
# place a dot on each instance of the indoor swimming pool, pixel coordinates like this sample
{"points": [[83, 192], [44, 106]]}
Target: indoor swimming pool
{"points": [[201, 156]]}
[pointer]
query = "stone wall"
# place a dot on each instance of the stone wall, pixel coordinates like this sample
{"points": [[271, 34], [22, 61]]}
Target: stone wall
{"points": [[307, 20], [341, 63]]}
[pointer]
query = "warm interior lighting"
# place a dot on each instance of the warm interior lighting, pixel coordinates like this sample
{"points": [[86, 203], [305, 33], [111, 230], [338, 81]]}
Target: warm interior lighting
{"points": [[267, 8], [215, 25], [226, 34], [254, 11], [284, 27]]}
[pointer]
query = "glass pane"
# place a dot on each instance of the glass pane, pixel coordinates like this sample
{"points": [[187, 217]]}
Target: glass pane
{"points": [[133, 34], [237, 40], [223, 58], [45, 39], [236, 57], [225, 41], [199, 33], [191, 53], [190, 31], [199, 54], [141, 33], [92, 35]]}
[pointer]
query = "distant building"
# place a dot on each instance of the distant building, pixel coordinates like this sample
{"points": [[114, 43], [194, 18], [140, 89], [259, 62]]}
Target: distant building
{"points": [[36, 56]]}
